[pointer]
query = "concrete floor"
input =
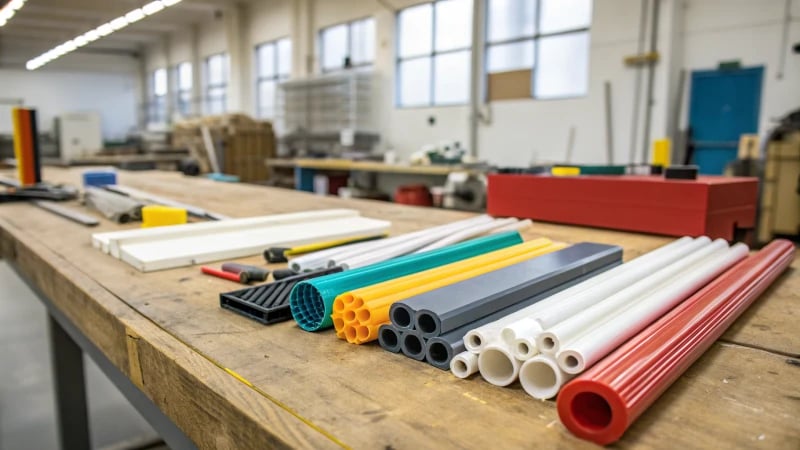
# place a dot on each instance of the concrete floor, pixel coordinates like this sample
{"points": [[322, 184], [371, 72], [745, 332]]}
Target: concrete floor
{"points": [[27, 411]]}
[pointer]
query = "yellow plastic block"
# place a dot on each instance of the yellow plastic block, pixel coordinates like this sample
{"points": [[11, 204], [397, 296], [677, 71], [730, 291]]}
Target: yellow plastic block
{"points": [[378, 298], [565, 171], [661, 152], [159, 216]]}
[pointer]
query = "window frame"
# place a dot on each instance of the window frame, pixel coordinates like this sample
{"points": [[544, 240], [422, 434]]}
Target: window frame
{"points": [[208, 86], [349, 24], [181, 91], [277, 77], [535, 38], [432, 56], [157, 111]]}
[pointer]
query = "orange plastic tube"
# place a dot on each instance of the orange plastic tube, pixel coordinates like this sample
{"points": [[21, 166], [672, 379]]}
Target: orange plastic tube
{"points": [[371, 304], [23, 146]]}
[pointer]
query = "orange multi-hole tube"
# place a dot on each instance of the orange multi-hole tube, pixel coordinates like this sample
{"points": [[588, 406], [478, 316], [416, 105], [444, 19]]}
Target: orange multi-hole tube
{"points": [[358, 314]]}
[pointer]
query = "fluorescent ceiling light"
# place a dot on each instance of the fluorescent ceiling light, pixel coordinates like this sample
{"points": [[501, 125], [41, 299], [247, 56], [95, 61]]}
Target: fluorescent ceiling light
{"points": [[11, 8], [153, 7], [89, 36]]}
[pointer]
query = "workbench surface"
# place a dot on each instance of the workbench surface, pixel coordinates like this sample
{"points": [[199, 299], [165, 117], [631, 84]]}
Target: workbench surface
{"points": [[228, 381]]}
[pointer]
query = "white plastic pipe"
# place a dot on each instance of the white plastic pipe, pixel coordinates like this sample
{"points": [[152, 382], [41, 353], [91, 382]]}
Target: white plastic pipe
{"points": [[550, 340], [516, 226], [467, 233], [384, 253], [523, 321], [322, 258], [498, 366], [464, 364], [590, 347], [541, 377]]}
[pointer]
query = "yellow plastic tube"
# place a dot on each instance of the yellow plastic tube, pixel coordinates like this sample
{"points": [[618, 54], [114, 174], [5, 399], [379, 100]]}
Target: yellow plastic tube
{"points": [[377, 299]]}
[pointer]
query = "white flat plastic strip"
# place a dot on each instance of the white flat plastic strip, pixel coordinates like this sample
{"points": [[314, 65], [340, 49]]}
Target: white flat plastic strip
{"points": [[384, 253], [550, 340], [324, 258], [523, 320], [585, 351], [186, 251], [109, 242], [467, 233]]}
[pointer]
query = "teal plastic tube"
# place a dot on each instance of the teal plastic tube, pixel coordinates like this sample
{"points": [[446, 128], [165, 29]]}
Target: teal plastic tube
{"points": [[311, 301]]}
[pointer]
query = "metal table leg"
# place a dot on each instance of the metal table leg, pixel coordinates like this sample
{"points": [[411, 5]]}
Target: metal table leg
{"points": [[70, 388]]}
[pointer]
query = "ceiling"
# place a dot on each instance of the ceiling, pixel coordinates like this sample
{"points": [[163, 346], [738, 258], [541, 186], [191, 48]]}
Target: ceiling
{"points": [[43, 24]]}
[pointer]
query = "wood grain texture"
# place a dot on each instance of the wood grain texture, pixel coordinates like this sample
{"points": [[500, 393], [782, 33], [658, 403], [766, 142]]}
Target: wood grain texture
{"points": [[362, 396]]}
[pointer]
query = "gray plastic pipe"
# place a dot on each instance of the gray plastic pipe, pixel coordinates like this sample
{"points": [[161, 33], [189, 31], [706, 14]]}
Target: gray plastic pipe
{"points": [[413, 345], [389, 338]]}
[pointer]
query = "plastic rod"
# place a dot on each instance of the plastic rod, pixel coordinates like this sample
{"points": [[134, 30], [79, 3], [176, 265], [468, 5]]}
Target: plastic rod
{"points": [[237, 277], [384, 253], [352, 251], [550, 340], [603, 402], [312, 301], [541, 377], [464, 365], [605, 337], [520, 225], [468, 233], [574, 299]]}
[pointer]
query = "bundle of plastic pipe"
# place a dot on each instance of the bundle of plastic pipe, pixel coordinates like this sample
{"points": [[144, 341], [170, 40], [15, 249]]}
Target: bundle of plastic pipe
{"points": [[584, 351], [365, 253], [311, 301], [503, 332], [501, 366], [357, 314], [453, 310], [603, 402]]}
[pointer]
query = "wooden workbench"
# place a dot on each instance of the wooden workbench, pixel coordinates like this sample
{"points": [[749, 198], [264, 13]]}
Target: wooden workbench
{"points": [[229, 382], [347, 165]]}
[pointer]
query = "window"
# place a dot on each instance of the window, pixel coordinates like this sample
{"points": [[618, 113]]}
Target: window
{"points": [[183, 88], [347, 45], [157, 110], [551, 37], [216, 83], [273, 64], [433, 53]]}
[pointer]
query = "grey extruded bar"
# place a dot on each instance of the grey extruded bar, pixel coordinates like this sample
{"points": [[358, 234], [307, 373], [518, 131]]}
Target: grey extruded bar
{"points": [[402, 316], [441, 349], [413, 344], [389, 338], [449, 307]]}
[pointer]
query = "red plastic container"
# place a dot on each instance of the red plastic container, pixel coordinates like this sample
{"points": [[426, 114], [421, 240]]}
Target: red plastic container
{"points": [[711, 206], [416, 194]]}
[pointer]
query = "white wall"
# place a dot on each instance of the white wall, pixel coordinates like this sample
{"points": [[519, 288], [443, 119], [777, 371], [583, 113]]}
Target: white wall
{"points": [[53, 92], [693, 34]]}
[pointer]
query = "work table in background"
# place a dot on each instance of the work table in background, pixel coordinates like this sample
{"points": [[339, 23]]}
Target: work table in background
{"points": [[227, 381]]}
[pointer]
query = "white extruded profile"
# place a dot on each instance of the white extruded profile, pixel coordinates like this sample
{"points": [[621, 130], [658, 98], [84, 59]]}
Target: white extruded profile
{"points": [[329, 257], [467, 233], [186, 251], [498, 366], [464, 364], [541, 377], [586, 350], [519, 225], [551, 340], [384, 253], [110, 242], [520, 335], [157, 199]]}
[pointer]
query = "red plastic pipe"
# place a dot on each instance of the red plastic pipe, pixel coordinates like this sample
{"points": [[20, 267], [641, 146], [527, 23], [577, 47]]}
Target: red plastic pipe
{"points": [[603, 402]]}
